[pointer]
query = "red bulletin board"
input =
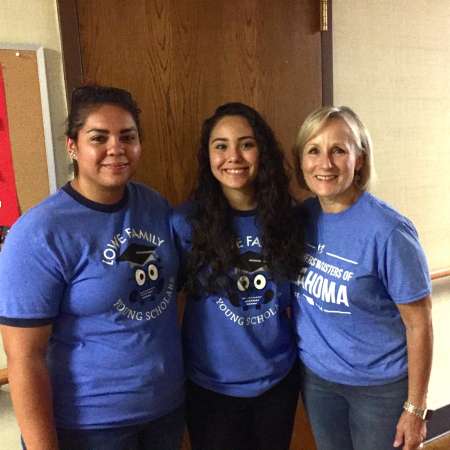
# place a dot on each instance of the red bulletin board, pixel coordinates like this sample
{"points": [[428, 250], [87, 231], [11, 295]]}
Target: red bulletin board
{"points": [[9, 207], [29, 124]]}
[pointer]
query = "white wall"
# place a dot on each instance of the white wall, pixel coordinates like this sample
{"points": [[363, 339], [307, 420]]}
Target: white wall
{"points": [[392, 66], [439, 392], [35, 22]]}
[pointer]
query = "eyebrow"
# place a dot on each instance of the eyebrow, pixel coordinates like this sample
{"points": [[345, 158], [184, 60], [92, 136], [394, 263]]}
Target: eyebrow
{"points": [[105, 131], [315, 144], [239, 139]]}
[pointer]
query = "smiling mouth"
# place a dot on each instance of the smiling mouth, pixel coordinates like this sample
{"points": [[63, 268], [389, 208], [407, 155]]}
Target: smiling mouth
{"points": [[116, 166], [325, 177], [236, 171]]}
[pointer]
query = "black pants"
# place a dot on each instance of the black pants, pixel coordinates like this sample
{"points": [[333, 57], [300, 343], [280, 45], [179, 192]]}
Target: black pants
{"points": [[222, 422]]}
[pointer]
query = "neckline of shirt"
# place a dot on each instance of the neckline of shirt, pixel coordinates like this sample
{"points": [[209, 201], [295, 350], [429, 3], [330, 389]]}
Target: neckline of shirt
{"points": [[102, 207], [241, 213], [339, 215]]}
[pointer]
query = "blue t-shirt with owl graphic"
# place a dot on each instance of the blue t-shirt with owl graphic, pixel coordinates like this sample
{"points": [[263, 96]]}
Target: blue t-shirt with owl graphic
{"points": [[242, 343], [104, 276]]}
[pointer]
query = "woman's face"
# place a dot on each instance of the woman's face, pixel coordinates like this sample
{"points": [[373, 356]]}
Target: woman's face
{"points": [[234, 155], [107, 152], [329, 161]]}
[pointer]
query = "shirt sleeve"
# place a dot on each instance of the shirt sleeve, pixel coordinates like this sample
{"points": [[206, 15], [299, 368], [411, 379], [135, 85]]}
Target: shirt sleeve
{"points": [[31, 278], [182, 236], [404, 270]]}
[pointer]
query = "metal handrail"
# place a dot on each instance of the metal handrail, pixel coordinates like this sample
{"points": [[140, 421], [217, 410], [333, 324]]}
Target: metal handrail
{"points": [[438, 274]]}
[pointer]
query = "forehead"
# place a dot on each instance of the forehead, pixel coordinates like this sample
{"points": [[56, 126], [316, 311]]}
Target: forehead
{"points": [[335, 129], [109, 117], [231, 126]]}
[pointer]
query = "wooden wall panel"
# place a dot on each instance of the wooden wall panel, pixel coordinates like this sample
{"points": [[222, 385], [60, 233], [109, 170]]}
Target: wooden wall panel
{"points": [[302, 437], [182, 58]]}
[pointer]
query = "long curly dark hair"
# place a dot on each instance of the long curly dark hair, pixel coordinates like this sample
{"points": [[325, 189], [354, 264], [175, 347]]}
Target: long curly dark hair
{"points": [[213, 238]]}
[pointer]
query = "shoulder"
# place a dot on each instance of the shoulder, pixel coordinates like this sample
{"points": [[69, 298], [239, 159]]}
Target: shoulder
{"points": [[40, 236], [383, 216], [185, 209], [179, 218], [308, 211], [140, 193], [46, 215]]}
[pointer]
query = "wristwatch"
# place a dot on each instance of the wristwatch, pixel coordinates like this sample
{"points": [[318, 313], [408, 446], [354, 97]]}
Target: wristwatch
{"points": [[424, 414]]}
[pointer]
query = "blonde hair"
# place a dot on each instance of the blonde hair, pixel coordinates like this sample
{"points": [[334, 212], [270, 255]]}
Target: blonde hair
{"points": [[316, 121]]}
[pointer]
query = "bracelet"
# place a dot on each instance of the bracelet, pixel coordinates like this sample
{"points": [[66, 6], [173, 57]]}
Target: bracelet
{"points": [[424, 414]]}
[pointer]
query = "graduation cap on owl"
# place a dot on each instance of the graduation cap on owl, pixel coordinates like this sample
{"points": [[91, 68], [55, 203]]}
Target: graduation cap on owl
{"points": [[139, 254], [250, 262]]}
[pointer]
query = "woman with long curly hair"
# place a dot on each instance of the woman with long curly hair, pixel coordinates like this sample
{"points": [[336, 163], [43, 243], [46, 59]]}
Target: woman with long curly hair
{"points": [[242, 241]]}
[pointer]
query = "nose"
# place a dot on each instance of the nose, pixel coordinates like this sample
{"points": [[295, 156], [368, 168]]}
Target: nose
{"points": [[115, 146], [325, 161], [234, 153]]}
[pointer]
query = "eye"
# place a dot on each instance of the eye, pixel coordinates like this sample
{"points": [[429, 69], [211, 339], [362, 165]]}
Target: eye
{"points": [[243, 283], [312, 151], [99, 139], [139, 276], [153, 272], [248, 145], [220, 146], [128, 138], [260, 281], [338, 150]]}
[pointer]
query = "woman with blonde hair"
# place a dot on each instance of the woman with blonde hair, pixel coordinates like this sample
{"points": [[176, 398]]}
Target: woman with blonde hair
{"points": [[363, 314]]}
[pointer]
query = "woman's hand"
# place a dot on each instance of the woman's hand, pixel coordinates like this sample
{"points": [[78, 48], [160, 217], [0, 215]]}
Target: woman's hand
{"points": [[411, 431]]}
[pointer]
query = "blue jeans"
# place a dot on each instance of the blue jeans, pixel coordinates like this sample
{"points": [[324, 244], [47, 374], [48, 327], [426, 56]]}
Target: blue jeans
{"points": [[345, 417], [164, 433]]}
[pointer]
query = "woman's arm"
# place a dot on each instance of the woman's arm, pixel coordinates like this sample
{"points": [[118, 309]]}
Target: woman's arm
{"points": [[30, 384], [411, 429]]}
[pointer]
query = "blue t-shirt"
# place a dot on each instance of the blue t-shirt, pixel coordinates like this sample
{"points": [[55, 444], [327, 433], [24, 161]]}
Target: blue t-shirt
{"points": [[241, 344], [105, 277], [360, 264]]}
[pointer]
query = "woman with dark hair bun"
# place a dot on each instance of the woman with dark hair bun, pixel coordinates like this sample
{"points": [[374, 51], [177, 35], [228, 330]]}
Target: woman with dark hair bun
{"points": [[242, 241], [87, 297]]}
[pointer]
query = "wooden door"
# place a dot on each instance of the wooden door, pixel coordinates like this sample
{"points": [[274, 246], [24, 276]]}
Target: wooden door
{"points": [[182, 58]]}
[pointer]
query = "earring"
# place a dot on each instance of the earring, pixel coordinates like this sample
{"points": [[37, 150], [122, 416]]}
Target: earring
{"points": [[72, 154]]}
